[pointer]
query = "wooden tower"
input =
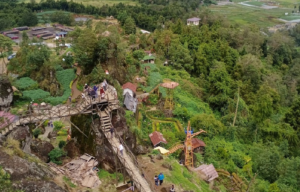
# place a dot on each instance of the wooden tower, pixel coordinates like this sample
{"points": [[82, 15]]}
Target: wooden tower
{"points": [[188, 147], [170, 86]]}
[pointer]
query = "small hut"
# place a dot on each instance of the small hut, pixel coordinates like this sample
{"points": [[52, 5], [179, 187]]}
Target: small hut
{"points": [[157, 138], [170, 86], [207, 172], [148, 59]]}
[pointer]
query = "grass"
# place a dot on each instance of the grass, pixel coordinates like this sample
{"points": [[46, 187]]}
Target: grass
{"points": [[245, 15], [290, 17], [180, 176], [69, 182], [96, 3], [61, 136], [105, 175]]}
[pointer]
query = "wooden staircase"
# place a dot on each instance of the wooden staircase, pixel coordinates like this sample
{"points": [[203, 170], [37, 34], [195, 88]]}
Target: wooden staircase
{"points": [[175, 148]]}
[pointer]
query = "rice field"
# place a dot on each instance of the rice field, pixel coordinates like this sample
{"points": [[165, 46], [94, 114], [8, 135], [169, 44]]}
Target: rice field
{"points": [[96, 3]]}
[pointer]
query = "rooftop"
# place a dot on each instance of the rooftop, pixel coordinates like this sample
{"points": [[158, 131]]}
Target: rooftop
{"points": [[148, 57], [169, 85], [209, 171], [130, 86], [194, 19], [197, 143], [157, 138], [6, 118]]}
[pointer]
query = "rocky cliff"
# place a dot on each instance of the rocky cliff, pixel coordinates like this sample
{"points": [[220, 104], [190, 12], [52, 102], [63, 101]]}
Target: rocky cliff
{"points": [[27, 173], [6, 93], [98, 146]]}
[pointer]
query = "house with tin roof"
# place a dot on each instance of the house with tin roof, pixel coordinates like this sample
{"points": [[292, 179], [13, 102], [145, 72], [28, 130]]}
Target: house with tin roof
{"points": [[193, 21]]}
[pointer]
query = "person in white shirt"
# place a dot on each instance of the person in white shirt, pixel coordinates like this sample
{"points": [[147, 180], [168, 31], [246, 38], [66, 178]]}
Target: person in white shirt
{"points": [[121, 148]]}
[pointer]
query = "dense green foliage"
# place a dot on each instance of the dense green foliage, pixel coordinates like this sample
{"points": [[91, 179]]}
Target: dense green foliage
{"points": [[26, 83], [58, 125], [64, 77], [36, 94], [56, 154], [36, 132], [13, 15], [61, 144]]}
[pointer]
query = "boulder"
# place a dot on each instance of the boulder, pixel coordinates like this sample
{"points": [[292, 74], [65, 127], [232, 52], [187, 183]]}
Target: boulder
{"points": [[168, 166], [38, 186], [159, 157], [41, 149], [140, 149], [151, 156], [72, 149], [20, 133], [6, 93]]}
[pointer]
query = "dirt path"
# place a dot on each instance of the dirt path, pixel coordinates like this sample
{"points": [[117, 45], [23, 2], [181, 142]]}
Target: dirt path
{"points": [[75, 91]]}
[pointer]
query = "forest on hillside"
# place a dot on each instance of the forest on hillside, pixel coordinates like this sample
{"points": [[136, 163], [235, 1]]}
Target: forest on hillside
{"points": [[238, 83]]}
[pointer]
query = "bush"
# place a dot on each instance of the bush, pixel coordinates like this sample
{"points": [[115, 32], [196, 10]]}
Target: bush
{"points": [[153, 99], [37, 132], [58, 125], [26, 83], [55, 155], [61, 144], [36, 94]]}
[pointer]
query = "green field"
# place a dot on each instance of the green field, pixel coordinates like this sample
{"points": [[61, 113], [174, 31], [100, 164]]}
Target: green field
{"points": [[290, 17], [97, 3], [244, 15]]}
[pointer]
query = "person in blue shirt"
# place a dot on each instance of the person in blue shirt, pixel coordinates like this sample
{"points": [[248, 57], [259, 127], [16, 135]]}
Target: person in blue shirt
{"points": [[161, 178]]}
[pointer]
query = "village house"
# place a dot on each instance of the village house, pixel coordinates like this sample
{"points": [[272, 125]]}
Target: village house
{"points": [[193, 21], [148, 59], [157, 138], [129, 92], [198, 145]]}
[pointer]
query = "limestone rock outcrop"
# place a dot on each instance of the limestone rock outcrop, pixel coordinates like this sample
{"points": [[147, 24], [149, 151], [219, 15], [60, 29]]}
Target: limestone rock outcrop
{"points": [[28, 176], [6, 93]]}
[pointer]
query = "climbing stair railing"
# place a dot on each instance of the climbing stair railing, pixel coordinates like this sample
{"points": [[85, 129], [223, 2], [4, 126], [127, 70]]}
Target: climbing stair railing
{"points": [[42, 113], [175, 148]]}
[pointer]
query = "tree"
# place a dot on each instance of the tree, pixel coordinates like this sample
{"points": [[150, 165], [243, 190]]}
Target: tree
{"points": [[292, 116], [219, 85], [55, 155], [84, 49], [28, 18], [58, 125], [129, 26], [180, 56], [5, 46], [208, 123], [61, 144], [267, 103], [289, 172]]}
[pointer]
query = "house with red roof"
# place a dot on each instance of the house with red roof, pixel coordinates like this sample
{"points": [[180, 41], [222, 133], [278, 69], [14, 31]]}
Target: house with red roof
{"points": [[157, 138], [198, 145], [129, 88]]}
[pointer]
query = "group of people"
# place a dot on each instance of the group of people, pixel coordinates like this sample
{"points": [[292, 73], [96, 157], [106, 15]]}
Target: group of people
{"points": [[93, 91], [160, 179]]}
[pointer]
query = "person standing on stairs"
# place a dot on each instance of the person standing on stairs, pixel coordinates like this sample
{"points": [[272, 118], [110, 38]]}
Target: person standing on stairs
{"points": [[121, 148], [112, 129]]}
